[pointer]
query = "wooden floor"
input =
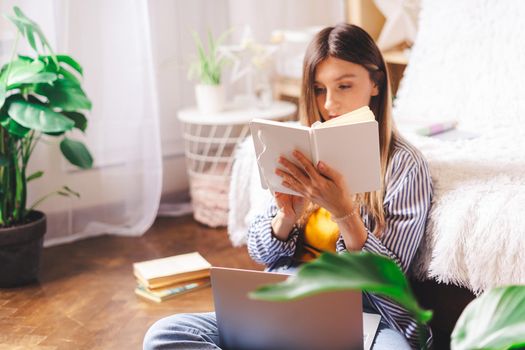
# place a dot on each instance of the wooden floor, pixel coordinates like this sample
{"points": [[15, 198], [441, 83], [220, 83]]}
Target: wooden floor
{"points": [[85, 297]]}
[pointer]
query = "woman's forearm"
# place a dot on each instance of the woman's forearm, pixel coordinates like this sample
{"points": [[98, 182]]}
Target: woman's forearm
{"points": [[353, 230], [282, 226]]}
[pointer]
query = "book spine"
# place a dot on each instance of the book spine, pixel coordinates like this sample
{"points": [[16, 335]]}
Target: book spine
{"points": [[181, 289], [314, 152]]}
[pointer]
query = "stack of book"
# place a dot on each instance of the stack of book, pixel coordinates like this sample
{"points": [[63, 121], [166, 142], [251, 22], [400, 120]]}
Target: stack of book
{"points": [[165, 278]]}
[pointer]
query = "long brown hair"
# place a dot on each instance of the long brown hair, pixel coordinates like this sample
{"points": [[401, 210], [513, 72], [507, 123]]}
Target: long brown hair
{"points": [[351, 43]]}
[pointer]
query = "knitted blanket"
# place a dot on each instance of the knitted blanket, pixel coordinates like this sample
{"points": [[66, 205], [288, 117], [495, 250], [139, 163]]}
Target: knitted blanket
{"points": [[467, 64], [475, 234]]}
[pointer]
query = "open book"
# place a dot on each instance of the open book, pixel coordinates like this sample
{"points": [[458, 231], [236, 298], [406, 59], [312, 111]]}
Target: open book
{"points": [[348, 143]]}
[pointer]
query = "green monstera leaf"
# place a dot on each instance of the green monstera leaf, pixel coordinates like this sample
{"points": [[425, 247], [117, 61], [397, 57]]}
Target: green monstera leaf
{"points": [[76, 153], [495, 320], [348, 271], [39, 117]]}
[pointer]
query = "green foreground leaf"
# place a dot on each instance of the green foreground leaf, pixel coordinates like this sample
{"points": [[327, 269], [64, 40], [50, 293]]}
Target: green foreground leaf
{"points": [[495, 320], [348, 271]]}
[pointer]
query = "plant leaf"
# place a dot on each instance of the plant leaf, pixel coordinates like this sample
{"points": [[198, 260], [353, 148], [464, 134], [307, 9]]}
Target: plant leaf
{"points": [[76, 153], [67, 60], [26, 72], [208, 64], [67, 75], [2, 93], [14, 128], [65, 94], [70, 61], [347, 271], [69, 190], [25, 58], [38, 117], [60, 70], [495, 320], [3, 160], [31, 39], [29, 29], [79, 119], [34, 176], [44, 77]]}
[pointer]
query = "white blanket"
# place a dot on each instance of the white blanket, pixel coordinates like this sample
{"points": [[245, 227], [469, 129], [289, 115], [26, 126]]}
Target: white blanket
{"points": [[468, 64], [246, 196], [476, 232]]}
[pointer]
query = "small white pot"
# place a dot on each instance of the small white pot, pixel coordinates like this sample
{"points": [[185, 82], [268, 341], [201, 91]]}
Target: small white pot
{"points": [[210, 98]]}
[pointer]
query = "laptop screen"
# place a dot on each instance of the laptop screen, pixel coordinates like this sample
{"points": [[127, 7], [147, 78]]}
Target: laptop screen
{"points": [[331, 320]]}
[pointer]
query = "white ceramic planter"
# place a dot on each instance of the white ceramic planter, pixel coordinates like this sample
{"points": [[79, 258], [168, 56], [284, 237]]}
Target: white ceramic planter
{"points": [[210, 98]]}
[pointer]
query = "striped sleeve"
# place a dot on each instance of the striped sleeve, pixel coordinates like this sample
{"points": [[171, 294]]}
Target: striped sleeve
{"points": [[263, 246], [406, 204], [406, 209]]}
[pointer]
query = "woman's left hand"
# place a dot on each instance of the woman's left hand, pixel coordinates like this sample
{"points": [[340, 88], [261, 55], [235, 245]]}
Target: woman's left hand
{"points": [[322, 185]]}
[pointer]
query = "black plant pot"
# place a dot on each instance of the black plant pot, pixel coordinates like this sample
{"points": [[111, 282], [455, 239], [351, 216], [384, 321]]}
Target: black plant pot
{"points": [[20, 250]]}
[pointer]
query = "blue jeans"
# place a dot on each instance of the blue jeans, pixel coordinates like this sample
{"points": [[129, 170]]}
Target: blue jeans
{"points": [[200, 331]]}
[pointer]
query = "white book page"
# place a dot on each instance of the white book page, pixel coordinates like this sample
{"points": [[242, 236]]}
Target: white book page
{"points": [[353, 150], [370, 325], [273, 139], [359, 115]]}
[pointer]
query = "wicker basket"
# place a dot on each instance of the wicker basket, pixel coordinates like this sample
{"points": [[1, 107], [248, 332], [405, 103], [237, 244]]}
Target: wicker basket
{"points": [[209, 157]]}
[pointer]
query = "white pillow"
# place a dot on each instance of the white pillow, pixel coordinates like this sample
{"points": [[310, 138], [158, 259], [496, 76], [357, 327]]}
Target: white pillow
{"points": [[467, 63]]}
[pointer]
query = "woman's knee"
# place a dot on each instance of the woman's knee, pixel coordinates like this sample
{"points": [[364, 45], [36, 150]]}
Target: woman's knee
{"points": [[165, 331], [177, 329]]}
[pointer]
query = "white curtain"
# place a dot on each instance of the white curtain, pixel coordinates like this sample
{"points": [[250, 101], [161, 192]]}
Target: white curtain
{"points": [[135, 55], [121, 194]]}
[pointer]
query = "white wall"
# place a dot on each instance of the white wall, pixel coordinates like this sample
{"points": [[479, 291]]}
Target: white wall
{"points": [[172, 24]]}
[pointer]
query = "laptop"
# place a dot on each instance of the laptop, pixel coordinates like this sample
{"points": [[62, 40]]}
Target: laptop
{"points": [[326, 321]]}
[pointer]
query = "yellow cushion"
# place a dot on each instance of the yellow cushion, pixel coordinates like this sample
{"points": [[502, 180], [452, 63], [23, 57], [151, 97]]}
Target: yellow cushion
{"points": [[320, 234]]}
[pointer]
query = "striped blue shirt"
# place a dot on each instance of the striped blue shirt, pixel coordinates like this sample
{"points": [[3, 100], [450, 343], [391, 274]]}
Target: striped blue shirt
{"points": [[406, 204]]}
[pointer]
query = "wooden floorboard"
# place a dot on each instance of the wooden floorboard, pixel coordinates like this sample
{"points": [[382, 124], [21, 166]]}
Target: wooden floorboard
{"points": [[85, 298]]}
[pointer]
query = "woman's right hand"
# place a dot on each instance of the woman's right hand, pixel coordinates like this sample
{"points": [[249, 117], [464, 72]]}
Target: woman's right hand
{"points": [[291, 206]]}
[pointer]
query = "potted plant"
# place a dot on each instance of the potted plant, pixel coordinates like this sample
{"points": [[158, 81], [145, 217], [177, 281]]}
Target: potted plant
{"points": [[207, 68], [40, 96], [495, 320]]}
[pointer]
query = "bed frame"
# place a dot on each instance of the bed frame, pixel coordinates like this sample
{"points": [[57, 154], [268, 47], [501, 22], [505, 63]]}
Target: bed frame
{"points": [[447, 302]]}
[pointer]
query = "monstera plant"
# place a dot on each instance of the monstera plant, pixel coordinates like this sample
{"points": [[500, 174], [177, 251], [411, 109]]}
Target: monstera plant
{"points": [[40, 97]]}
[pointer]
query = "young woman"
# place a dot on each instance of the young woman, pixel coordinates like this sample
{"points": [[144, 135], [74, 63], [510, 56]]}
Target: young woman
{"points": [[343, 70]]}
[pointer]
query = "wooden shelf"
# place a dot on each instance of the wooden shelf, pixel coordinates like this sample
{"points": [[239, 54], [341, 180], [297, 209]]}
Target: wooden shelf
{"points": [[365, 14], [288, 87], [395, 57]]}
